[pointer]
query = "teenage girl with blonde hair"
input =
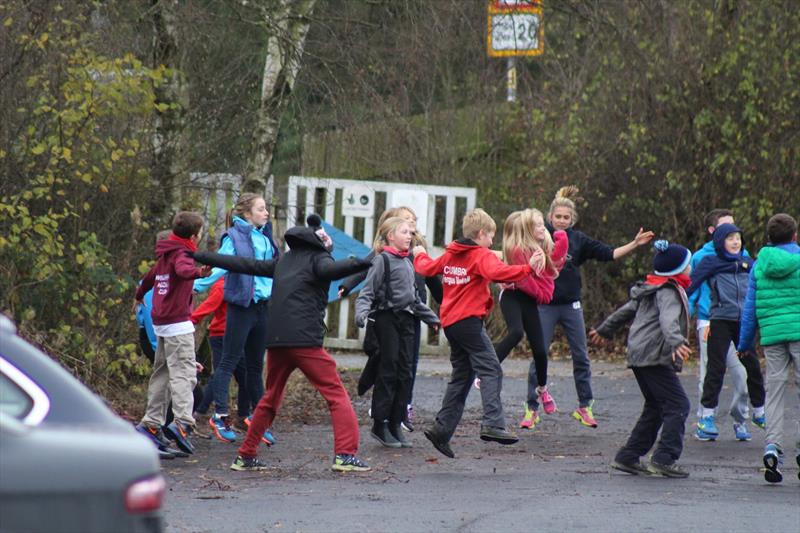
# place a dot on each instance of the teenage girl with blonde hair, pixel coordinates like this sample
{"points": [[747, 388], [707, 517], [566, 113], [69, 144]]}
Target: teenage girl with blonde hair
{"points": [[565, 307], [390, 298], [525, 240]]}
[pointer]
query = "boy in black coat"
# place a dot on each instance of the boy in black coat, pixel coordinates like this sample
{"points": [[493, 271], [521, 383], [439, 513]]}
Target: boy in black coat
{"points": [[296, 329]]}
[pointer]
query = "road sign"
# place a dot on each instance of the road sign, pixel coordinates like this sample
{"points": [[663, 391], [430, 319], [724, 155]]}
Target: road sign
{"points": [[515, 31], [358, 201]]}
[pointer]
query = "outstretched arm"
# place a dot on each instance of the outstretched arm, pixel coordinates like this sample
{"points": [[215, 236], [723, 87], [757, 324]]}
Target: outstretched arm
{"points": [[326, 269], [642, 238], [349, 283], [617, 319], [241, 265]]}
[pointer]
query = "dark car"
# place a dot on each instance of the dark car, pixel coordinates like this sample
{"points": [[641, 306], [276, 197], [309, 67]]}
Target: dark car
{"points": [[67, 462]]}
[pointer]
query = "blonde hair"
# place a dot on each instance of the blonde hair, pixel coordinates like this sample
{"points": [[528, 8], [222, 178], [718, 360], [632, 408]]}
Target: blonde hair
{"points": [[389, 225], [518, 234], [475, 221], [417, 238], [565, 197], [243, 205]]}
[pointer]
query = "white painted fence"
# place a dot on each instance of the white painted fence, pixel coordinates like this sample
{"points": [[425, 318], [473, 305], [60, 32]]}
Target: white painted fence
{"points": [[436, 208]]}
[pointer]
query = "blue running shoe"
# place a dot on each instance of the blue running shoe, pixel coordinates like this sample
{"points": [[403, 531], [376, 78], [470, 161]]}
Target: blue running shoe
{"points": [[222, 428], [706, 424], [702, 435], [760, 421], [773, 458], [160, 440], [267, 438], [180, 434], [741, 431]]}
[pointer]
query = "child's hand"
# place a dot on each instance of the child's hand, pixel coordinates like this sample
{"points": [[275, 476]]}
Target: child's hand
{"points": [[596, 338], [136, 304], [341, 292], [683, 351], [205, 271], [643, 237], [537, 260], [199, 367], [418, 249], [435, 327]]}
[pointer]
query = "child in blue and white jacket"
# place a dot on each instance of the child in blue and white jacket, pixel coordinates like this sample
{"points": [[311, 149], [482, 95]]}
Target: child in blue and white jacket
{"points": [[727, 273]]}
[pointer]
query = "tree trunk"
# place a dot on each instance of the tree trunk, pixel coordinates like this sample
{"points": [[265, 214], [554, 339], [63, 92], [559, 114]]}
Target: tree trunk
{"points": [[288, 27]]}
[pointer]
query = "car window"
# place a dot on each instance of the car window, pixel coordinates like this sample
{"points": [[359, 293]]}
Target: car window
{"points": [[13, 400]]}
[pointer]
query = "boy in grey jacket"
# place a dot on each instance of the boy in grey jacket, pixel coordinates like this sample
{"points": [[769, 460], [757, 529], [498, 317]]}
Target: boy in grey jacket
{"points": [[657, 346]]}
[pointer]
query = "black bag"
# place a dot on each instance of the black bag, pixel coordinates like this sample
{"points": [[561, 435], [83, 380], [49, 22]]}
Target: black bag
{"points": [[371, 344]]}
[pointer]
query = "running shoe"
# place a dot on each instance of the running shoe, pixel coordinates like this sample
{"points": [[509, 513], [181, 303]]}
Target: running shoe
{"points": [[344, 462], [180, 434], [773, 459], [635, 469], [741, 431], [165, 451], [760, 421], [267, 438], [707, 425], [585, 416], [703, 436], [672, 470], [245, 464], [530, 419], [548, 403], [221, 425]]}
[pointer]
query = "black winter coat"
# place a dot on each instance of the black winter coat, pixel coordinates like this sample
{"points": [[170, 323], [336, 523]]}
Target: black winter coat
{"points": [[300, 293]]}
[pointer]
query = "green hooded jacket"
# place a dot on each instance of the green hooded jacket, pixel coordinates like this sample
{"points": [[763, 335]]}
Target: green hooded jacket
{"points": [[777, 274]]}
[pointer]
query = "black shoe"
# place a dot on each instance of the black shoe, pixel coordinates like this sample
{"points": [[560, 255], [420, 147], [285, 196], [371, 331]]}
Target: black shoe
{"points": [[165, 451], [636, 468], [439, 443], [244, 464], [672, 470], [380, 432], [180, 434], [500, 435], [397, 433]]}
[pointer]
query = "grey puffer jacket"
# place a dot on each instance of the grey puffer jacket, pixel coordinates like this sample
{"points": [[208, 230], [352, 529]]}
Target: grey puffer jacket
{"points": [[660, 315], [402, 293]]}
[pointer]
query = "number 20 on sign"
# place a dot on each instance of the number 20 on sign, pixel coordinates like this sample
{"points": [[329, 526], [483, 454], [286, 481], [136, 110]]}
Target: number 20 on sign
{"points": [[515, 28]]}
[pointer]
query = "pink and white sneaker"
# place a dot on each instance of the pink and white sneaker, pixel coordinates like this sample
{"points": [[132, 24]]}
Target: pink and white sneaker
{"points": [[548, 403]]}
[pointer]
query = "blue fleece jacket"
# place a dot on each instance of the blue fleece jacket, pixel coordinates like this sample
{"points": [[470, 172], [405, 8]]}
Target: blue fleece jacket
{"points": [[727, 274], [701, 298], [747, 329]]}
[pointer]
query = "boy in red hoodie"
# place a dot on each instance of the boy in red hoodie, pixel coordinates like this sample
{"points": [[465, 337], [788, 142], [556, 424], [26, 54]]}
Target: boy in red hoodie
{"points": [[174, 369], [467, 268]]}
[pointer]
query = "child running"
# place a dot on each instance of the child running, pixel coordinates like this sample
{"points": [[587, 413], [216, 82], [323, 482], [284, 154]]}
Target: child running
{"points": [[174, 368], [728, 274], [525, 239], [468, 266], [657, 346], [773, 304], [295, 333], [247, 297], [393, 307]]}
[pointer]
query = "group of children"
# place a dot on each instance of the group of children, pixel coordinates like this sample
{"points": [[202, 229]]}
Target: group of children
{"points": [[277, 303]]}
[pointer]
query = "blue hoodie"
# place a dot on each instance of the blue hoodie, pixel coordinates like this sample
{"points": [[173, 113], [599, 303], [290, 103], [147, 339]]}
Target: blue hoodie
{"points": [[727, 275]]}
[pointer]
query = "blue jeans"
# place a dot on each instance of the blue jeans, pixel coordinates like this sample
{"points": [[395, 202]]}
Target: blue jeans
{"points": [[570, 316], [243, 403], [245, 336]]}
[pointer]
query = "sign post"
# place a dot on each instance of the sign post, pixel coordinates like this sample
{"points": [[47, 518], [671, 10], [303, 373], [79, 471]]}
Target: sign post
{"points": [[515, 29]]}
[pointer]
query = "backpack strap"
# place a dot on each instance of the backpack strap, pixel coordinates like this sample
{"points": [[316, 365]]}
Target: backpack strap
{"points": [[387, 293]]}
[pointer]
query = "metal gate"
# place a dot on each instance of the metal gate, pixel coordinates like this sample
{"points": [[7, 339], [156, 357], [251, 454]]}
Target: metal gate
{"points": [[439, 210]]}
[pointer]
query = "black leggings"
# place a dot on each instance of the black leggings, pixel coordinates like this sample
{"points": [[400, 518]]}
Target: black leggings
{"points": [[720, 336], [522, 316]]}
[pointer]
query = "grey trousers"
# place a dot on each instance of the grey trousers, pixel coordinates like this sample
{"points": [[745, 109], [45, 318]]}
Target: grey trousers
{"points": [[570, 316], [739, 409], [779, 361], [471, 354], [174, 376]]}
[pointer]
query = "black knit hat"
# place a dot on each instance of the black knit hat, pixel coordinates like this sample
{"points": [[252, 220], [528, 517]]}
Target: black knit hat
{"points": [[670, 259]]}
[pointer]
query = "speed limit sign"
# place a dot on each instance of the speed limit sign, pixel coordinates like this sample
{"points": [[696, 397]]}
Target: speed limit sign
{"points": [[515, 31]]}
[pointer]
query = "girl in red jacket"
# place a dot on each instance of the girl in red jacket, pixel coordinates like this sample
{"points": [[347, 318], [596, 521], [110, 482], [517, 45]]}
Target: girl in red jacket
{"points": [[526, 240]]}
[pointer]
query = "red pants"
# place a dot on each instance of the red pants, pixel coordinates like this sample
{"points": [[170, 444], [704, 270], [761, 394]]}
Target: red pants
{"points": [[320, 369]]}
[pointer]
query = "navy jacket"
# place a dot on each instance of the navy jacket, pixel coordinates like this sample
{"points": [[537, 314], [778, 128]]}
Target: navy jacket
{"points": [[581, 249], [728, 277]]}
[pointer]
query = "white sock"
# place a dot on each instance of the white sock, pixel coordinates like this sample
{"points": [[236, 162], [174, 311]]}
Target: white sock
{"points": [[708, 412], [758, 411]]}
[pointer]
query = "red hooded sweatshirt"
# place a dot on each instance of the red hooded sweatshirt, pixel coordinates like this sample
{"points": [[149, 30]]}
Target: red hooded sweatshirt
{"points": [[215, 303], [467, 269], [540, 286], [171, 279]]}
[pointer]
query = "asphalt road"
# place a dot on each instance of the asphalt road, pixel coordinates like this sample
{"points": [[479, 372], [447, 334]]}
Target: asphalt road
{"points": [[556, 478]]}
